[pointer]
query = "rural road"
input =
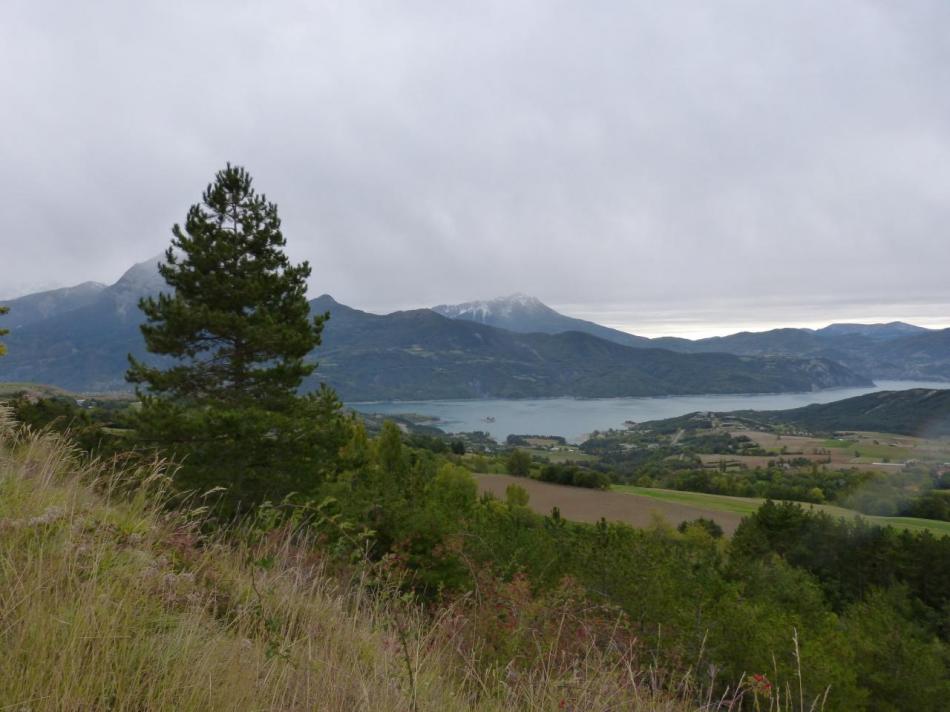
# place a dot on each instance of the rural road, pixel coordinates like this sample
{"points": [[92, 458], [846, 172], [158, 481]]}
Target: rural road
{"points": [[587, 505]]}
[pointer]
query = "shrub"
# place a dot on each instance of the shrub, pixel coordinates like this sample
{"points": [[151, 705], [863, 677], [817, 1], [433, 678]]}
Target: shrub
{"points": [[574, 476], [518, 463], [709, 525]]}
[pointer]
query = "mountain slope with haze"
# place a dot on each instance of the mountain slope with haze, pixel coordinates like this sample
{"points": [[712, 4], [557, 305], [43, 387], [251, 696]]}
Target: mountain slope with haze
{"points": [[420, 354], [85, 348], [895, 350], [412, 355], [45, 305]]}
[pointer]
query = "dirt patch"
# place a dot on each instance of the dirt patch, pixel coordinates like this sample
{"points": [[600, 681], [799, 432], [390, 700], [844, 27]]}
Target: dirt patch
{"points": [[841, 463], [834, 453], [586, 505], [792, 443]]}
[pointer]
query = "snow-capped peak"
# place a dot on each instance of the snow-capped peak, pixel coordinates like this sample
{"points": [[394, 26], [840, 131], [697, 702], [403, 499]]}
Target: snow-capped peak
{"points": [[485, 311]]}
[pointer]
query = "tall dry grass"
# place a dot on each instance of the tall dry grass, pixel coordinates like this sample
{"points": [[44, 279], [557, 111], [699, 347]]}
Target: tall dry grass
{"points": [[110, 602]]}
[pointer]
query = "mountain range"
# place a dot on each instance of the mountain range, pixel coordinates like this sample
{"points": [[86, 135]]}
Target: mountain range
{"points": [[422, 354], [896, 350], [78, 338]]}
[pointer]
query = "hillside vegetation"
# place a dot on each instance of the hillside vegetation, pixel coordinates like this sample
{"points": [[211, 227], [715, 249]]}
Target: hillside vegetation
{"points": [[883, 454], [110, 601], [921, 412], [450, 603]]}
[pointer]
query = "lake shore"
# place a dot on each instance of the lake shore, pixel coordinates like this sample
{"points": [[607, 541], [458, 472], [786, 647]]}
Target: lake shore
{"points": [[574, 418]]}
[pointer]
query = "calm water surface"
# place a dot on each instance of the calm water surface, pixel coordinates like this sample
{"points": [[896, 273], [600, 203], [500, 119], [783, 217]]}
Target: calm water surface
{"points": [[574, 418]]}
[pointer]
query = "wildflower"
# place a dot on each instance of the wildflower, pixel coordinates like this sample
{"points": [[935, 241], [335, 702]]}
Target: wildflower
{"points": [[761, 686]]}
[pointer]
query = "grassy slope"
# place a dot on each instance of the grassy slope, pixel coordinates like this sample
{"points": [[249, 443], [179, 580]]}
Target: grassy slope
{"points": [[131, 615], [747, 505], [107, 602]]}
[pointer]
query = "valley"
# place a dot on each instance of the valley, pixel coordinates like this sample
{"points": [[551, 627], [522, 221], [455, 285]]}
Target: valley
{"points": [[576, 418], [490, 357]]}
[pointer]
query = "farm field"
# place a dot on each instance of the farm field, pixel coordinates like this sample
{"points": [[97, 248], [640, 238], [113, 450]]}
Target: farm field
{"points": [[638, 506], [853, 448], [717, 503], [880, 452], [752, 461], [551, 449], [564, 455], [587, 505], [880, 445]]}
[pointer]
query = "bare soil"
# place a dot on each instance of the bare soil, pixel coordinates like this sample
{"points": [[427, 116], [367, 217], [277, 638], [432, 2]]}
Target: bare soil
{"points": [[878, 451], [587, 505], [837, 461]]}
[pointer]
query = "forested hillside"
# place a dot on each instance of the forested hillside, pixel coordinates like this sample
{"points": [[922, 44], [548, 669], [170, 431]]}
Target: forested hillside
{"points": [[430, 595], [420, 354], [918, 411]]}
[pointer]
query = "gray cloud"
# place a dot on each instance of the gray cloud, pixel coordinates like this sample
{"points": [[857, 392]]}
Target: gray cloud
{"points": [[630, 157]]}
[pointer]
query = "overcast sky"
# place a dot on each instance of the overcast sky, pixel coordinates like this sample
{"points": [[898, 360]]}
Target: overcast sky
{"points": [[665, 167]]}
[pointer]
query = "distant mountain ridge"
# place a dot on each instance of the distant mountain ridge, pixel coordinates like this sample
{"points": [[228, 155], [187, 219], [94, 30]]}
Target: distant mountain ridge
{"points": [[921, 354], [883, 332], [895, 350], [525, 314], [417, 354], [44, 305]]}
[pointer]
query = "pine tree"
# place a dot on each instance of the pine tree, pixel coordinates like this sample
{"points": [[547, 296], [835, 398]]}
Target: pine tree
{"points": [[3, 332], [235, 329]]}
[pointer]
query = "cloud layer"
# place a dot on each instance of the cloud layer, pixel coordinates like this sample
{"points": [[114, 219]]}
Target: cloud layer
{"points": [[648, 155]]}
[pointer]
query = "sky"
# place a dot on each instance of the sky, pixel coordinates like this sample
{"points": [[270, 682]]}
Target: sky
{"points": [[687, 168]]}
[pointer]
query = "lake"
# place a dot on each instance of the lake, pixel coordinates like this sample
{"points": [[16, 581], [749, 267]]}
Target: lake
{"points": [[575, 418]]}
